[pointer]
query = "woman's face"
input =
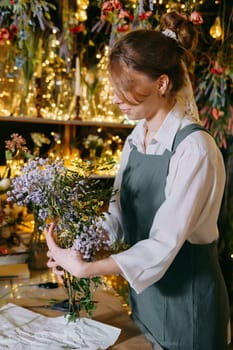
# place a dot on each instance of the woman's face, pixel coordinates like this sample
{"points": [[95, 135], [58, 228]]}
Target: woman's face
{"points": [[136, 94]]}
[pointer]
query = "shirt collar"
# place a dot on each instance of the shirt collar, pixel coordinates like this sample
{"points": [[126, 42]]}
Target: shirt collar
{"points": [[168, 130], [166, 133]]}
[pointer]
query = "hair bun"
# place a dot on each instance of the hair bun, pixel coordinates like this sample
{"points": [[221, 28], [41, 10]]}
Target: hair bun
{"points": [[184, 29]]}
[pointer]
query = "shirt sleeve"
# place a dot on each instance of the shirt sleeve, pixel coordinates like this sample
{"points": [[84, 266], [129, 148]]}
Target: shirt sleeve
{"points": [[196, 182]]}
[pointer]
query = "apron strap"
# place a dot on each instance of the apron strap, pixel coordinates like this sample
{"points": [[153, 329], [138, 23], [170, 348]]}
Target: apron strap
{"points": [[181, 134]]}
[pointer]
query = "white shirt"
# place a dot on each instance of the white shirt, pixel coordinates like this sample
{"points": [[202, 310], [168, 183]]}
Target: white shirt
{"points": [[193, 192]]}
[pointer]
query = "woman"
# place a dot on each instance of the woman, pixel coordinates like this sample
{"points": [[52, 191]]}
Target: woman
{"points": [[171, 182]]}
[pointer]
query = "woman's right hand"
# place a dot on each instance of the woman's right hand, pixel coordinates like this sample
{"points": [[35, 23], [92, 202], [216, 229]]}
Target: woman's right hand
{"points": [[63, 259]]}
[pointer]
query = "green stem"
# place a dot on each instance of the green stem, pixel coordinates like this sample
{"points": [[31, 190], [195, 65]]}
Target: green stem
{"points": [[73, 310]]}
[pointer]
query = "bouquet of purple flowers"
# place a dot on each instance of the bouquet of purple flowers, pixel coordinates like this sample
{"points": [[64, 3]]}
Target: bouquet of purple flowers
{"points": [[75, 201]]}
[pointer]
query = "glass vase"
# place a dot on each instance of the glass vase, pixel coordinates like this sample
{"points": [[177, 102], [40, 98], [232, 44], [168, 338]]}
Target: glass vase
{"points": [[38, 249], [59, 100]]}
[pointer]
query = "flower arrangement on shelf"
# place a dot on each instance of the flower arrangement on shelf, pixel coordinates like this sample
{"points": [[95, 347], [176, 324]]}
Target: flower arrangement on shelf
{"points": [[22, 24], [74, 200], [39, 140], [11, 215], [94, 144], [16, 154], [99, 146]]}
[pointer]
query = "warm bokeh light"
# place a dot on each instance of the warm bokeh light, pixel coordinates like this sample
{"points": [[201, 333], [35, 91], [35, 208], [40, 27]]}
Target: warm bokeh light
{"points": [[216, 30]]}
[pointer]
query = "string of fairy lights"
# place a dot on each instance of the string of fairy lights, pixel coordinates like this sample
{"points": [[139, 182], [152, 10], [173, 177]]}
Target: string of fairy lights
{"points": [[58, 100]]}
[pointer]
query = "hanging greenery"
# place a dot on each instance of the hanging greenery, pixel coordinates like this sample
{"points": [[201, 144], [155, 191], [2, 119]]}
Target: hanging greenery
{"points": [[214, 93], [22, 24]]}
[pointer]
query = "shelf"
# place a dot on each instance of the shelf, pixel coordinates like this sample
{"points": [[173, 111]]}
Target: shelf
{"points": [[65, 122], [68, 129]]}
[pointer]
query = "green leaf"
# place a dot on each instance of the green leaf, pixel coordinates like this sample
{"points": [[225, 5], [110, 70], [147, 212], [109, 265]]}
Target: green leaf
{"points": [[8, 155]]}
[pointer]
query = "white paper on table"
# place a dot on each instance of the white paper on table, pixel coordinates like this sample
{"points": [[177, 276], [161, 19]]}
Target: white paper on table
{"points": [[23, 329]]}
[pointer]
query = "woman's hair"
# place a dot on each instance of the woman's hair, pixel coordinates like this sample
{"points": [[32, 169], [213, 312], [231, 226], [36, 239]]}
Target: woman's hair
{"points": [[184, 29], [153, 53]]}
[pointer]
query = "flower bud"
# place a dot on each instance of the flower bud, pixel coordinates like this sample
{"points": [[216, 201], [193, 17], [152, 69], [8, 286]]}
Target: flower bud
{"points": [[4, 184]]}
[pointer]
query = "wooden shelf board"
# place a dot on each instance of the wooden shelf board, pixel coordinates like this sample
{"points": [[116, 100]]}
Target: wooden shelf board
{"points": [[65, 122]]}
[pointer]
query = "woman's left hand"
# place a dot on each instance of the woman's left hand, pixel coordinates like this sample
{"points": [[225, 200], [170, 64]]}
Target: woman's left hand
{"points": [[69, 259]]}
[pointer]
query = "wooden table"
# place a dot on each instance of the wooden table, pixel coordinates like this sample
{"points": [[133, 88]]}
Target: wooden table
{"points": [[110, 310]]}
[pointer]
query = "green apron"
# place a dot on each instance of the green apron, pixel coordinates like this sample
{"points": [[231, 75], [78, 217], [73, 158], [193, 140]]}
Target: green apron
{"points": [[187, 309]]}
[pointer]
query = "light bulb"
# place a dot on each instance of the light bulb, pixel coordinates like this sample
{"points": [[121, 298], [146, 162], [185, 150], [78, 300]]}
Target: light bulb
{"points": [[216, 30]]}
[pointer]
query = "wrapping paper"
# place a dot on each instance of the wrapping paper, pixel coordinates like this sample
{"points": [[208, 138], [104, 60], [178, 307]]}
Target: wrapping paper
{"points": [[23, 329]]}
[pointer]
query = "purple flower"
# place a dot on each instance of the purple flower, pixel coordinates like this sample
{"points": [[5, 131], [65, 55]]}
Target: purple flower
{"points": [[91, 240]]}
